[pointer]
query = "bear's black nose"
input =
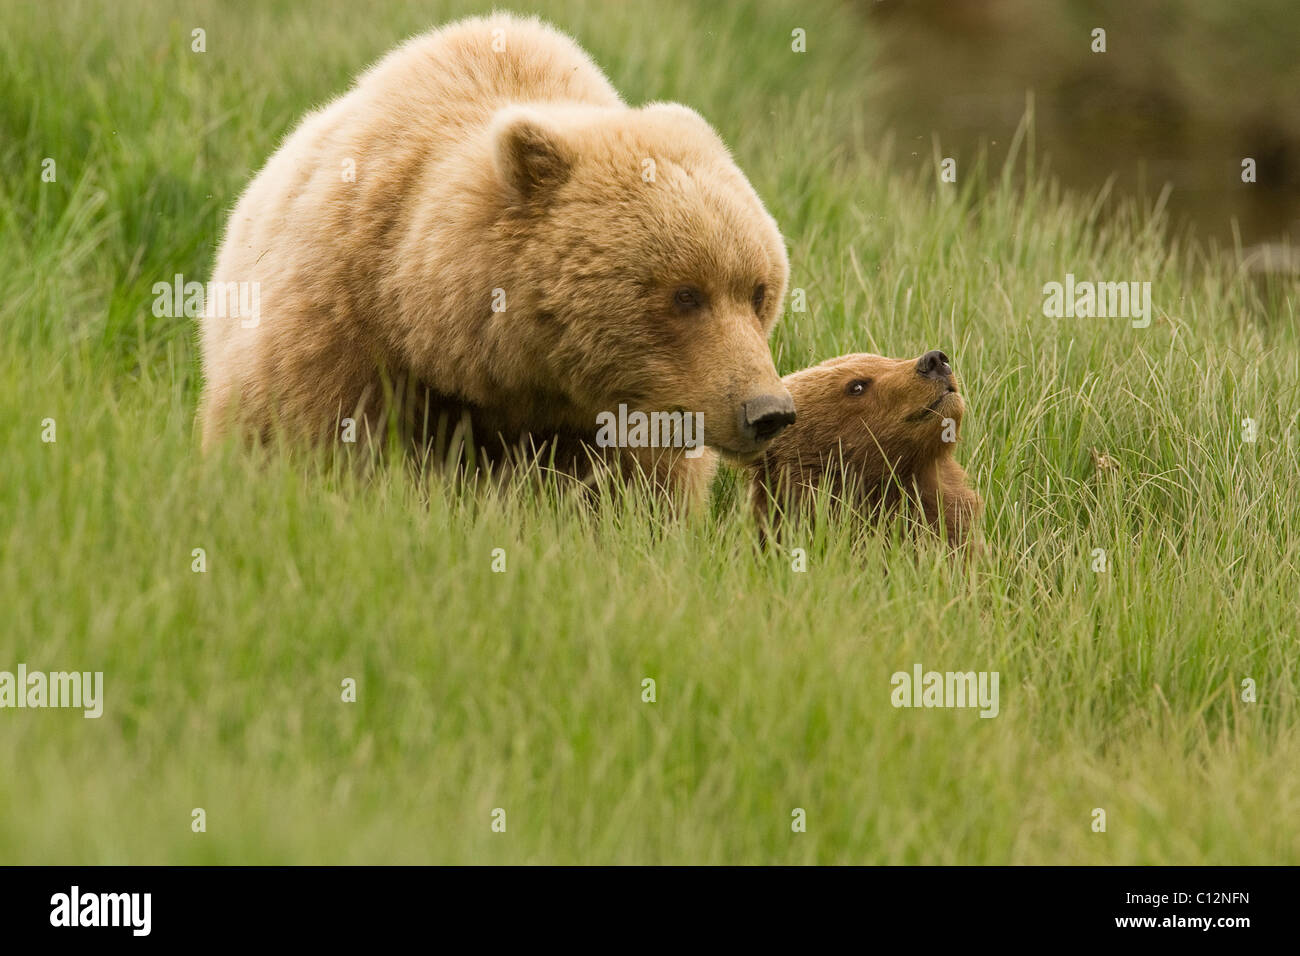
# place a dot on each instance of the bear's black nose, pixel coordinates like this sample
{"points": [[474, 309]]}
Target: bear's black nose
{"points": [[765, 417], [934, 365]]}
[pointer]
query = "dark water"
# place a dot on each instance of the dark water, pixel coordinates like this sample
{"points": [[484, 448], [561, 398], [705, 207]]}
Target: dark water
{"points": [[1184, 92]]}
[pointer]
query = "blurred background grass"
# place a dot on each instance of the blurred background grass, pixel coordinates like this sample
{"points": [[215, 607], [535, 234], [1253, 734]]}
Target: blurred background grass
{"points": [[1183, 92], [523, 690]]}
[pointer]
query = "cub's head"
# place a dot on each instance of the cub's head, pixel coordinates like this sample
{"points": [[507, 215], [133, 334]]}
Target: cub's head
{"points": [[882, 418], [649, 272]]}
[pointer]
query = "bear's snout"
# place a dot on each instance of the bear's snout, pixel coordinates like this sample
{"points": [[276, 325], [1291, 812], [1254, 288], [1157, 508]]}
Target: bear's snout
{"points": [[765, 417], [934, 364]]}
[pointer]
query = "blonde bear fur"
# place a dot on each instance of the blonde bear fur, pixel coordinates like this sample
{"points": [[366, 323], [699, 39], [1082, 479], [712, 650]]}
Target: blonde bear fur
{"points": [[495, 165]]}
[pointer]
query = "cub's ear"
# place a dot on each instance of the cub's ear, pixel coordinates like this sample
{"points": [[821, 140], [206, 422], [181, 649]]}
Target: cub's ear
{"points": [[530, 156]]}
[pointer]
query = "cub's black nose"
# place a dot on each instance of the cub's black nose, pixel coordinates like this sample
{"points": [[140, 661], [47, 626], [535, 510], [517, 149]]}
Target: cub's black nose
{"points": [[934, 365]]}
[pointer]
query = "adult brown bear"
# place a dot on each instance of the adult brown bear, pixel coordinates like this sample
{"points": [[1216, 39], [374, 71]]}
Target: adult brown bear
{"points": [[482, 228]]}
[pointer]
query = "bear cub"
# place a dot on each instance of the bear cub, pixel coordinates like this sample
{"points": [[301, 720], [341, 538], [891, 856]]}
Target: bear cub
{"points": [[877, 433]]}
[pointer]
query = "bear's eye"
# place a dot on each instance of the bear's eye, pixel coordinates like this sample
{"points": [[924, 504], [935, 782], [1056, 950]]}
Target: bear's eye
{"points": [[688, 299], [760, 296], [857, 386]]}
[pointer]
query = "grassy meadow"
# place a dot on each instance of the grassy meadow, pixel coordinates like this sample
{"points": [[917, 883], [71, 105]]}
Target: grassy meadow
{"points": [[477, 690]]}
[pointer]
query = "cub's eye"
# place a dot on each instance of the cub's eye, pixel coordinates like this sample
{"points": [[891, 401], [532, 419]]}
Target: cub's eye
{"points": [[857, 387], [760, 296], [688, 299]]}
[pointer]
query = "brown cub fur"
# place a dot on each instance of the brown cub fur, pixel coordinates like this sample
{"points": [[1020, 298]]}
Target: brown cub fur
{"points": [[871, 430]]}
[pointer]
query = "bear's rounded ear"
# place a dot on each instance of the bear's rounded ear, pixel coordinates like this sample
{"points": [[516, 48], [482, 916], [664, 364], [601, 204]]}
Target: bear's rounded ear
{"points": [[530, 156]]}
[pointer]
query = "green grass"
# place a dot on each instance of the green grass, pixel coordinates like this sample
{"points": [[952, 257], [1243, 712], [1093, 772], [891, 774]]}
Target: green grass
{"points": [[522, 690]]}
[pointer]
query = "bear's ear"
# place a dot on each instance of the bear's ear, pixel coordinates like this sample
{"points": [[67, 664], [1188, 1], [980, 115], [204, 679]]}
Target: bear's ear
{"points": [[530, 156]]}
